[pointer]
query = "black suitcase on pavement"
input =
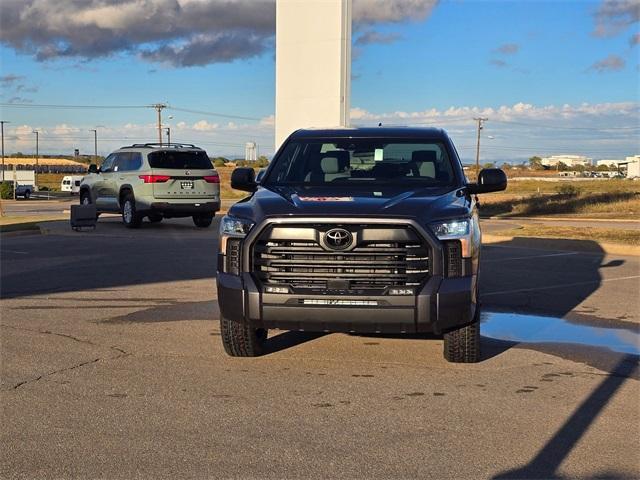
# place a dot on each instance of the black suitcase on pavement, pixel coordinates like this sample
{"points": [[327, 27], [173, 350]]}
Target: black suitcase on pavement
{"points": [[83, 216]]}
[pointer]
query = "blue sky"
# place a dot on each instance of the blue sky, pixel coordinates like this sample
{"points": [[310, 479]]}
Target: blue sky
{"points": [[570, 64]]}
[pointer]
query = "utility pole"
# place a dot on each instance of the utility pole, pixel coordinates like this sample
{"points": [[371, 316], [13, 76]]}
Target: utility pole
{"points": [[480, 121], [159, 107], [37, 160], [2, 122], [95, 145], [168, 129]]}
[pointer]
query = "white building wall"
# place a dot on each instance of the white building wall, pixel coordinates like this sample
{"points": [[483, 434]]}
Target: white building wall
{"points": [[633, 169], [609, 162], [22, 177], [568, 160], [313, 65]]}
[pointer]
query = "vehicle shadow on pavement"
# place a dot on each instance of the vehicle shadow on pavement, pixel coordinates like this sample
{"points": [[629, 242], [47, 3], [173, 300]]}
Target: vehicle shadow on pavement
{"points": [[289, 339], [545, 276], [546, 462]]}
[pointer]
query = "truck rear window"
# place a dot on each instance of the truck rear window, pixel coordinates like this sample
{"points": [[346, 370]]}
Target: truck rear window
{"points": [[180, 160]]}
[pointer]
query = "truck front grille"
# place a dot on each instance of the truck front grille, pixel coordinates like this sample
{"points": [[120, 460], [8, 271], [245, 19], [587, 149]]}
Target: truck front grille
{"points": [[390, 256]]}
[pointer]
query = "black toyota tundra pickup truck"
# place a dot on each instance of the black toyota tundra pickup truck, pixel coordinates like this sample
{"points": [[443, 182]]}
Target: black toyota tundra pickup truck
{"points": [[365, 230]]}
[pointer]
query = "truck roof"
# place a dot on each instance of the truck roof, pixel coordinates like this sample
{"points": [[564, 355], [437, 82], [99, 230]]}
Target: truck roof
{"points": [[371, 132]]}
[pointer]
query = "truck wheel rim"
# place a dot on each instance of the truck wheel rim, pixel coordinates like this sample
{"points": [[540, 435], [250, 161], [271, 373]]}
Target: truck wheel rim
{"points": [[127, 211]]}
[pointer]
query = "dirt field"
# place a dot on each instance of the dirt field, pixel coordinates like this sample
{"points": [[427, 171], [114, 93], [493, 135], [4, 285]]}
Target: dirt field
{"points": [[41, 161]]}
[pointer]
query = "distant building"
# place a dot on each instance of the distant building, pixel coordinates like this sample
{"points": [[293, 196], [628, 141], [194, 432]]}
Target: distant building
{"points": [[633, 168], [633, 158], [250, 151], [609, 162], [568, 160]]}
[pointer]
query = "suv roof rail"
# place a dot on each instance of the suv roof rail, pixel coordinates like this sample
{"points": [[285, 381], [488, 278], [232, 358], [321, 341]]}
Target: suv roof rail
{"points": [[161, 145]]}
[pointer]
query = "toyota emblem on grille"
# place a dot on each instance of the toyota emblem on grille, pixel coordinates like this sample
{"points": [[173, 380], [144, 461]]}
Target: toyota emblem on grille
{"points": [[338, 238]]}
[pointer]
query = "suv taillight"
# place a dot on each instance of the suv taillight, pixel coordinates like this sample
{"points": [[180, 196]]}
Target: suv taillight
{"points": [[211, 179], [155, 178]]}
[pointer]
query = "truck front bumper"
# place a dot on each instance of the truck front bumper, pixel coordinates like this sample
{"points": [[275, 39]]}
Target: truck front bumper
{"points": [[441, 304]]}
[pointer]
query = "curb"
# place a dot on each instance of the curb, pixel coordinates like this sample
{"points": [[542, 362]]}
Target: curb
{"points": [[22, 233], [561, 219], [550, 243]]}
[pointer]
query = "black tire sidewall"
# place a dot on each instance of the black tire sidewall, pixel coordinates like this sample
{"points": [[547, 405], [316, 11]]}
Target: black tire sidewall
{"points": [[135, 218], [202, 221]]}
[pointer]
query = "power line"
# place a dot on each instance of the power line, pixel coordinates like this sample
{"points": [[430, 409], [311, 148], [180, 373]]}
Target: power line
{"points": [[213, 114], [178, 109], [557, 127], [43, 105]]}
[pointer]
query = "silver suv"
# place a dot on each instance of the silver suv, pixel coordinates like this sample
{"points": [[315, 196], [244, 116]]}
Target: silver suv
{"points": [[155, 181]]}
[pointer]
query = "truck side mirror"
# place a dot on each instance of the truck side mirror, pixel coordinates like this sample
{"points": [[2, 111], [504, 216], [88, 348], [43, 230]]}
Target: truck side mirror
{"points": [[489, 180], [244, 179], [93, 168]]}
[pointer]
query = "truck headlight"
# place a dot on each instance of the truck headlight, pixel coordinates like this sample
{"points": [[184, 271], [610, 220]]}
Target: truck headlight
{"points": [[452, 229], [462, 231], [230, 225], [232, 231]]}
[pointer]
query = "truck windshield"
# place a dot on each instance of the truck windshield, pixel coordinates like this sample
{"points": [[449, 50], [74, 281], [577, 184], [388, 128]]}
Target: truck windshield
{"points": [[362, 161], [180, 160]]}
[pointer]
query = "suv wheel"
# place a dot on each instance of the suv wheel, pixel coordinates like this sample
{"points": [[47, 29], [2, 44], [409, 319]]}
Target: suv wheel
{"points": [[130, 217], [240, 340], [462, 345], [202, 221], [155, 218], [27, 194]]}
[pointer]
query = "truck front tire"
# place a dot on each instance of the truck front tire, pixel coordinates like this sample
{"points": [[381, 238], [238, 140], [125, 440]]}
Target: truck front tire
{"points": [[240, 340], [462, 345]]}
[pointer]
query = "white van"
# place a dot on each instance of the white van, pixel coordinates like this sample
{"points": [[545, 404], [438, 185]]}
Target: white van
{"points": [[71, 184]]}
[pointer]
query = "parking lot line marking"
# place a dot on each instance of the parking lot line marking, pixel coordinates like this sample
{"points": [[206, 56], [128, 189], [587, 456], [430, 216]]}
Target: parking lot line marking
{"points": [[550, 287], [532, 256]]}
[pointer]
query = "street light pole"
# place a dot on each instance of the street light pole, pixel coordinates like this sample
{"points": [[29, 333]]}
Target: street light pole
{"points": [[480, 120], [2, 122], [95, 144], [37, 160]]}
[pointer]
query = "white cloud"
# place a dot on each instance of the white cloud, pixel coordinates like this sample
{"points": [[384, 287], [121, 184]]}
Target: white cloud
{"points": [[611, 63], [523, 129], [175, 32], [204, 126], [520, 130]]}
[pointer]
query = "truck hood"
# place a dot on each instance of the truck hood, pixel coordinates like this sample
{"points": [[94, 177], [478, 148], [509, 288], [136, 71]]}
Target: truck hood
{"points": [[422, 204]]}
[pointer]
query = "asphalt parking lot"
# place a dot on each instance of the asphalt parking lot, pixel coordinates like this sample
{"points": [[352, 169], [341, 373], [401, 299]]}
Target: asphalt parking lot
{"points": [[112, 367]]}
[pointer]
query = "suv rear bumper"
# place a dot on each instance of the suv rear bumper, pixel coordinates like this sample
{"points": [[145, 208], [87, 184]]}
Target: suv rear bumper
{"points": [[182, 209], [441, 304]]}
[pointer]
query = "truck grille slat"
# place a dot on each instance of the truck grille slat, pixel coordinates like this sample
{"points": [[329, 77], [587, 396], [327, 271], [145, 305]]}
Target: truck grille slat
{"points": [[397, 257]]}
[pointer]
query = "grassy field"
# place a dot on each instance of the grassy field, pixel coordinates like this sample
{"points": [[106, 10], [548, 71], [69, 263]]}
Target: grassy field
{"points": [[598, 198], [618, 205], [611, 235]]}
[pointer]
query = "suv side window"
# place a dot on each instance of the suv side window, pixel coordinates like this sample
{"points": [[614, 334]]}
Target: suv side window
{"points": [[128, 161], [107, 165], [135, 161]]}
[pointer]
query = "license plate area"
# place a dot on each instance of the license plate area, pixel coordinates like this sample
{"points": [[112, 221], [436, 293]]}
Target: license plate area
{"points": [[186, 185]]}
